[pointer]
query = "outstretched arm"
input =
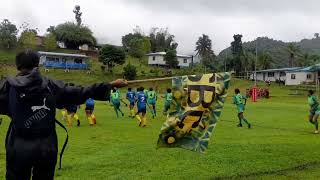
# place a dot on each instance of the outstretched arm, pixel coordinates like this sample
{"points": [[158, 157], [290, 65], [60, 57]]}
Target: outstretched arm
{"points": [[78, 95]]}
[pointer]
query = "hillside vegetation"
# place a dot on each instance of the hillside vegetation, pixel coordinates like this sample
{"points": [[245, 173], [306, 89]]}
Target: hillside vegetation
{"points": [[278, 49]]}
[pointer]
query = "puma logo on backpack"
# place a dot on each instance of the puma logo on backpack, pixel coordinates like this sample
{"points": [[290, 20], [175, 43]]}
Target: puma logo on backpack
{"points": [[35, 108]]}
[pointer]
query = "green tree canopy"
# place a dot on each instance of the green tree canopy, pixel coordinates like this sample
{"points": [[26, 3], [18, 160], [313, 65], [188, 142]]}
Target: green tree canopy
{"points": [[28, 40], [130, 72], [8, 34], [50, 42], [171, 58], [204, 50], [236, 48], [73, 35], [136, 44], [265, 61], [111, 55], [293, 51], [161, 40], [204, 46]]}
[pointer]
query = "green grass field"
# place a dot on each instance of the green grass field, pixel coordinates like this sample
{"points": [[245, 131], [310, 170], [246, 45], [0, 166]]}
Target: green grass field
{"points": [[280, 145]]}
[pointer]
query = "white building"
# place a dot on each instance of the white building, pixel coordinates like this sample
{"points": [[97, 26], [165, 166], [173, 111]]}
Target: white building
{"points": [[291, 76], [157, 59]]}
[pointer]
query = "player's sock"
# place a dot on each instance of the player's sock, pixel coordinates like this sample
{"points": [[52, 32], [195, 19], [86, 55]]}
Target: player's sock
{"points": [[121, 112], [132, 112], [139, 119], [69, 120], [94, 120], [116, 110], [78, 122], [316, 125], [240, 122], [246, 121], [90, 120], [144, 121], [311, 121]]}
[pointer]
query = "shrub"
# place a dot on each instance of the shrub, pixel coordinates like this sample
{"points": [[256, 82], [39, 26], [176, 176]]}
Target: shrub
{"points": [[130, 72]]}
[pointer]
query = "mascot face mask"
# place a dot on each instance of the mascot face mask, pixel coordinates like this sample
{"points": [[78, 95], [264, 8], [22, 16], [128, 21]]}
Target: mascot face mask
{"points": [[195, 110]]}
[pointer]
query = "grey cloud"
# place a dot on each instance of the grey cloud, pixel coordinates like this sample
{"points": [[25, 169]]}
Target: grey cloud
{"points": [[227, 7], [186, 19]]}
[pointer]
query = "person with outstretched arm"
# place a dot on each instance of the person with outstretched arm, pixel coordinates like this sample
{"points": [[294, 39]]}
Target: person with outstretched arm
{"points": [[30, 100]]}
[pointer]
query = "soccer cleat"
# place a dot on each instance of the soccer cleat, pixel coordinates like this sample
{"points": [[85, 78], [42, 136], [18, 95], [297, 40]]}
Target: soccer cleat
{"points": [[239, 125], [316, 132]]}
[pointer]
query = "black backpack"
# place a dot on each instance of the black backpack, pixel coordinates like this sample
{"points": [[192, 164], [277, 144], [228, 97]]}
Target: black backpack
{"points": [[33, 113]]}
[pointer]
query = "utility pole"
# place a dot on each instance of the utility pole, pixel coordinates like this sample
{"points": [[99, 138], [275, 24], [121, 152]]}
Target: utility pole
{"points": [[255, 64]]}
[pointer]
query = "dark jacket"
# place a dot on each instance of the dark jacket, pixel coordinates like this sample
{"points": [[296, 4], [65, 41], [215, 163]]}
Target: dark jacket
{"points": [[63, 93]]}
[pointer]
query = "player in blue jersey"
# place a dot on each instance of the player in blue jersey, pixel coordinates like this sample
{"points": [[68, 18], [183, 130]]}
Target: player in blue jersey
{"points": [[141, 99], [131, 98]]}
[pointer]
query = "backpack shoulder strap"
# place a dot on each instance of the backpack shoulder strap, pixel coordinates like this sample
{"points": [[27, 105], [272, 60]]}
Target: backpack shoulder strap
{"points": [[65, 142]]}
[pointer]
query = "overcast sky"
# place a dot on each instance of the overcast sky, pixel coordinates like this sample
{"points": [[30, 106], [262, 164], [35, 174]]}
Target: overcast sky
{"points": [[287, 20]]}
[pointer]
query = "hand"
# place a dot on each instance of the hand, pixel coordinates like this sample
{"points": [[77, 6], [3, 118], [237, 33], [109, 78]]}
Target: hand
{"points": [[119, 83]]}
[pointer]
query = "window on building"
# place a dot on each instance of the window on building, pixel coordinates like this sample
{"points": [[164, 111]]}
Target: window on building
{"points": [[153, 58], [293, 76], [309, 76], [270, 74], [78, 61], [282, 74], [185, 60]]}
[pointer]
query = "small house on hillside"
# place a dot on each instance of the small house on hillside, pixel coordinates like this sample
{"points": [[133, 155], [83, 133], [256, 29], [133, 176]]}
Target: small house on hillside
{"points": [[63, 60], [157, 59], [290, 76]]}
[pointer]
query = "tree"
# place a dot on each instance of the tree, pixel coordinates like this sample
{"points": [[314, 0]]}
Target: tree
{"points": [[204, 50], [305, 60], [204, 46], [78, 14], [293, 50], [248, 60], [50, 42], [236, 48], [73, 35], [171, 58], [51, 29], [111, 55], [28, 40], [130, 72], [8, 34], [137, 45], [161, 40], [265, 61], [315, 58]]}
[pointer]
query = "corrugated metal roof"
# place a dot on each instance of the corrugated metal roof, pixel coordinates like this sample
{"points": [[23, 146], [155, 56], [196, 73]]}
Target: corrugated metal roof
{"points": [[62, 54], [164, 53], [280, 69], [313, 68]]}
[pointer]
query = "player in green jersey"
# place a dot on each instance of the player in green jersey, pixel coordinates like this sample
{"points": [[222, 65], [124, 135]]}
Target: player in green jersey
{"points": [[314, 110], [240, 101], [152, 99], [167, 101], [115, 100]]}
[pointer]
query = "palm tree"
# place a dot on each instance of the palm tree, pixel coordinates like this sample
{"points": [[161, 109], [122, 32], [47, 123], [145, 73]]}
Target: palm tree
{"points": [[265, 61], [305, 60], [293, 50], [248, 60], [204, 46]]}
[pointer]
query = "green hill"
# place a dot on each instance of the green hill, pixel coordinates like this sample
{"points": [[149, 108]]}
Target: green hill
{"points": [[277, 49]]}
